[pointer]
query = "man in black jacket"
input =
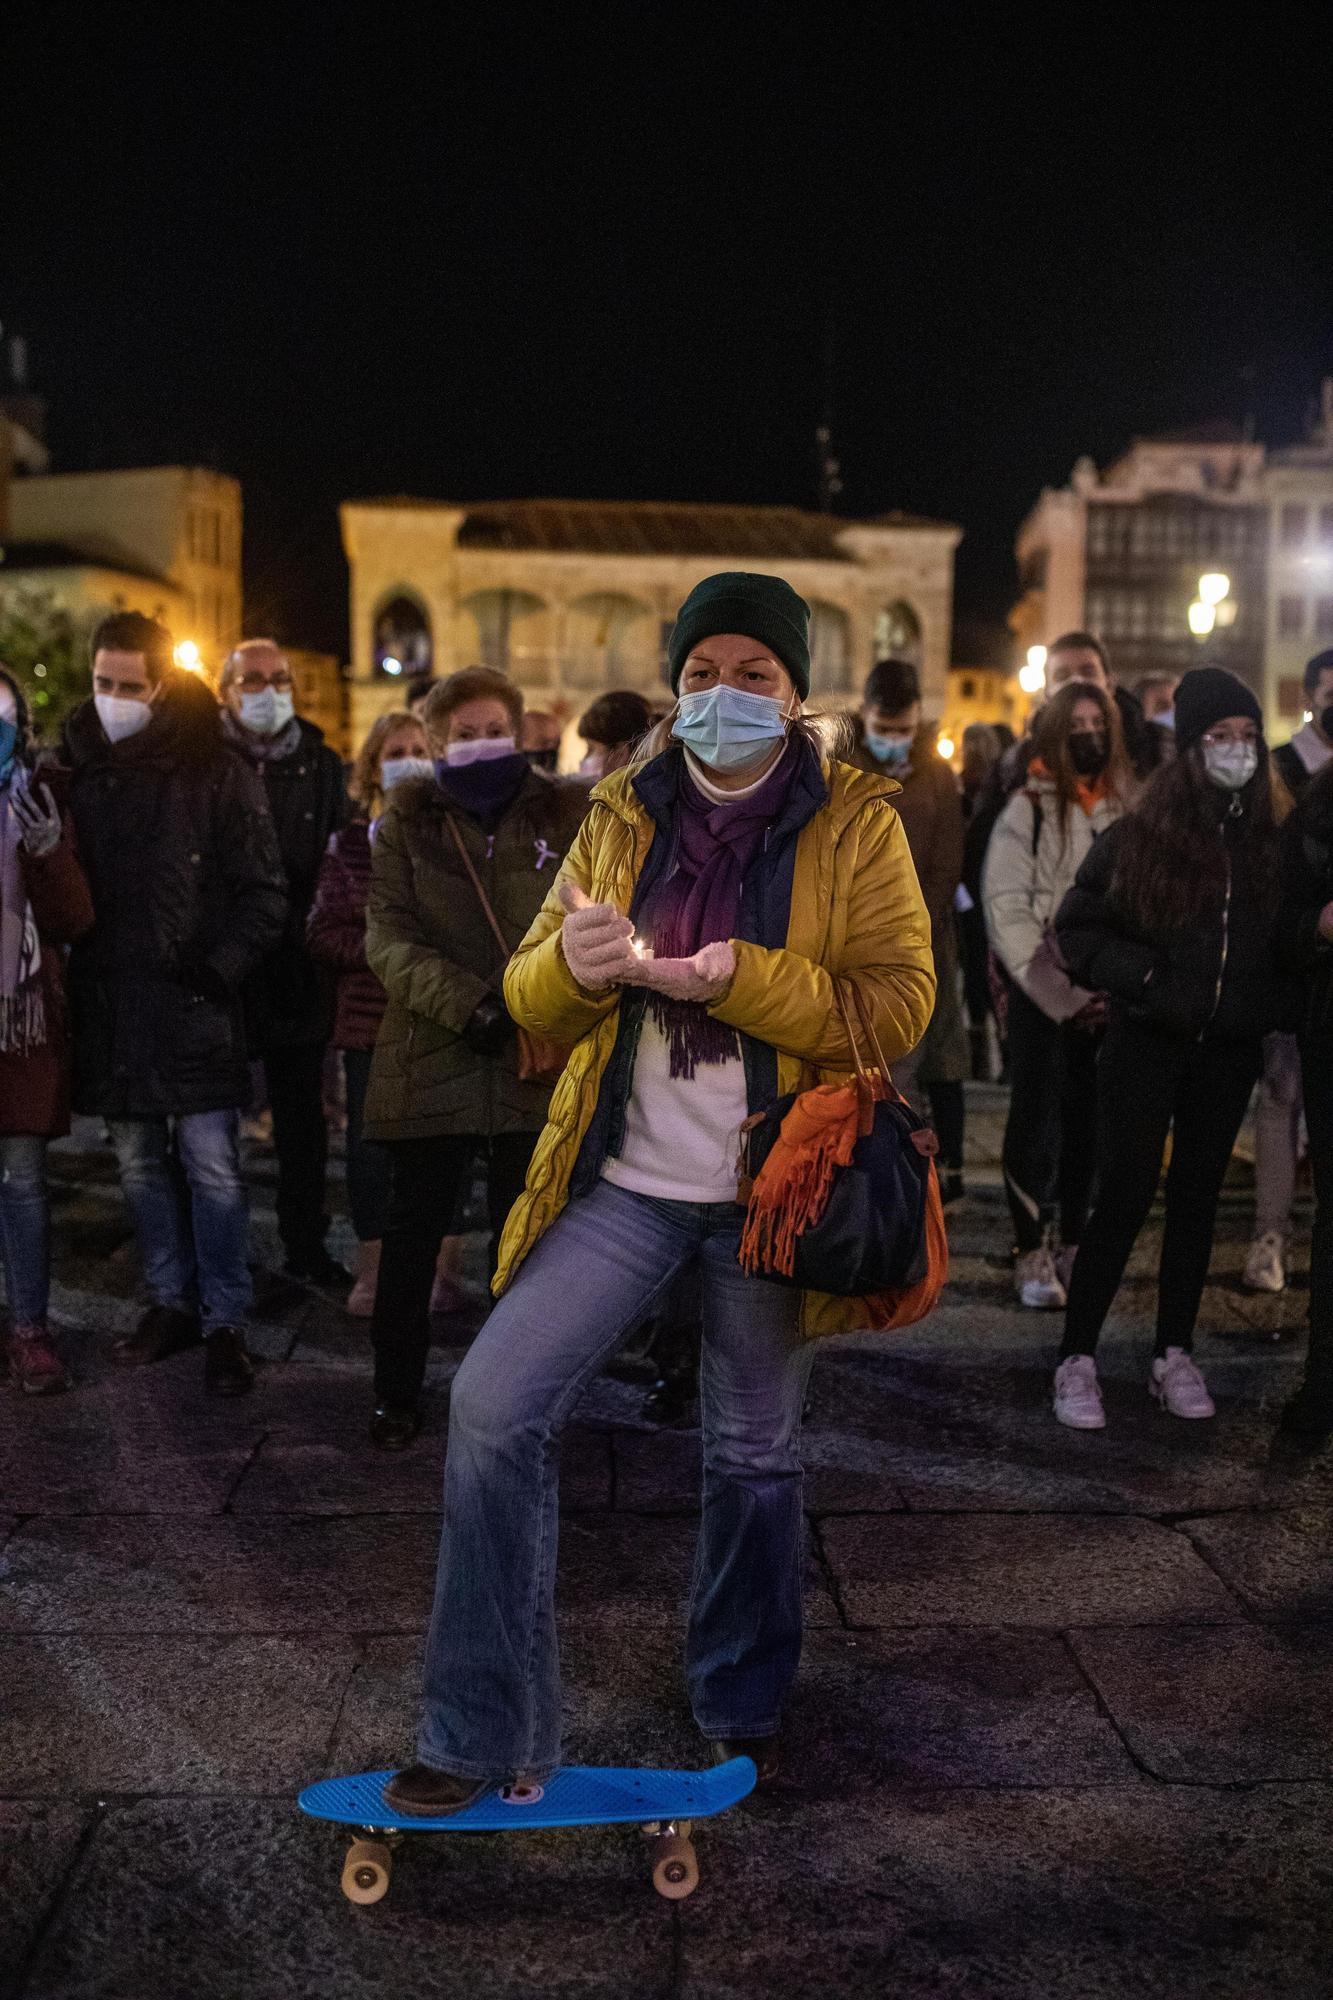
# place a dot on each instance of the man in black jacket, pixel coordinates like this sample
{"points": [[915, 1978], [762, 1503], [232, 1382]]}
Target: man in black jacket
{"points": [[288, 997], [187, 889]]}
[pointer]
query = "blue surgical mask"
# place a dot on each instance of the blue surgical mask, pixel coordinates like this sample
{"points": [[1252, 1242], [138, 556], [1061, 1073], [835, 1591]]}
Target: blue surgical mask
{"points": [[727, 728], [9, 737], [1165, 718], [268, 711], [888, 749], [394, 770]]}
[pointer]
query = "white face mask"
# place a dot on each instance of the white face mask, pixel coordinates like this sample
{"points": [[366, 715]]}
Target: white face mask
{"points": [[1230, 766], [268, 711], [120, 716], [394, 770], [479, 750]]}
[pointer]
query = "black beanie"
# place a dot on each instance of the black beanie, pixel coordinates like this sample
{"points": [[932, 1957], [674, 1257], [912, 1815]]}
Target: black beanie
{"points": [[1208, 695], [761, 607]]}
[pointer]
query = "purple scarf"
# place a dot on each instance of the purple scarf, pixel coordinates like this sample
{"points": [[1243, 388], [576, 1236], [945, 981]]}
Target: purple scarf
{"points": [[700, 902], [485, 789]]}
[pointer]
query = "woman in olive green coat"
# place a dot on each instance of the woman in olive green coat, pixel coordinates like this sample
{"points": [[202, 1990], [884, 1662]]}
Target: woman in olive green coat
{"points": [[444, 1080]]}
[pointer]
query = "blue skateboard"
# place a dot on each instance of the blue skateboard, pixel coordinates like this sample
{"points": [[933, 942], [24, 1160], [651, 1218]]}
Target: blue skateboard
{"points": [[663, 1803]]}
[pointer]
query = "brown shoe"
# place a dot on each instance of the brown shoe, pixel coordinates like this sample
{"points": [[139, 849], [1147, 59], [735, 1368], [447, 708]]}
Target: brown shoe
{"points": [[228, 1369], [34, 1365], [162, 1331], [431, 1794], [764, 1752]]}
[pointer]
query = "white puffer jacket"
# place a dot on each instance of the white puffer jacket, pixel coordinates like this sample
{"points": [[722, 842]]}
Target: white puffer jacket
{"points": [[1030, 863]]}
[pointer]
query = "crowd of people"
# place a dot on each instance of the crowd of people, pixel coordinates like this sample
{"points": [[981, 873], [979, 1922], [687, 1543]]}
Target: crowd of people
{"points": [[1128, 912]]}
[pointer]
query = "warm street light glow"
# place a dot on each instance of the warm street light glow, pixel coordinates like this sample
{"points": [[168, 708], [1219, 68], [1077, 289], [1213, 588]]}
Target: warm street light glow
{"points": [[390, 665], [1032, 679], [1036, 657], [187, 656], [1214, 587], [1202, 617], [945, 746]]}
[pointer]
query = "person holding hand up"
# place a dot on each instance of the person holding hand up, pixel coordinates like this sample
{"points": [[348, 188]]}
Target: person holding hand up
{"points": [[717, 888]]}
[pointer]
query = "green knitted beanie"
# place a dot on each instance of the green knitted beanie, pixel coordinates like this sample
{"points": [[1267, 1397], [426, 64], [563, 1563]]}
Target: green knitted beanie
{"points": [[761, 607]]}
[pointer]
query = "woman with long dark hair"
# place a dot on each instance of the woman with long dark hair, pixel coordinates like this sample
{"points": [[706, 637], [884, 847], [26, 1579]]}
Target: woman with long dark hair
{"points": [[44, 904], [1174, 916], [1077, 786]]}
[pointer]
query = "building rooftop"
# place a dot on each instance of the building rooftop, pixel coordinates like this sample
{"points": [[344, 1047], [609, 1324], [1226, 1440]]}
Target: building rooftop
{"points": [[658, 528], [16, 556]]}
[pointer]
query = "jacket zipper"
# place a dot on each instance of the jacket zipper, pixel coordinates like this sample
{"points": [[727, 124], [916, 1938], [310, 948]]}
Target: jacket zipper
{"points": [[1226, 947]]}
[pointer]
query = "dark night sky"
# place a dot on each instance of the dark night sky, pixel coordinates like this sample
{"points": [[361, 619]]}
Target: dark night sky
{"points": [[627, 254]]}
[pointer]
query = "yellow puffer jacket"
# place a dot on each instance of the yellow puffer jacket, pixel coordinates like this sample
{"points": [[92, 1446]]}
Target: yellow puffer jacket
{"points": [[856, 913]]}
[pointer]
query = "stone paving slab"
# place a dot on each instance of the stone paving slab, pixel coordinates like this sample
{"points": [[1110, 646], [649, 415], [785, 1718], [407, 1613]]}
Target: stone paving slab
{"points": [[905, 1569], [38, 1842], [227, 1900], [956, 1437], [135, 1442], [89, 1715], [1072, 1895], [1218, 1705], [254, 1574], [1280, 1565], [945, 1708], [329, 1466]]}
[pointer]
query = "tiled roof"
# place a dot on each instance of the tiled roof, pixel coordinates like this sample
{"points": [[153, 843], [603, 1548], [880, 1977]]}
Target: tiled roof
{"points": [[659, 528]]}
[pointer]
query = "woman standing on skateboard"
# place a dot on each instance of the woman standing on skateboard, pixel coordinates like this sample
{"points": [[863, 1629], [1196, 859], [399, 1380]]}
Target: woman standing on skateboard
{"points": [[687, 952]]}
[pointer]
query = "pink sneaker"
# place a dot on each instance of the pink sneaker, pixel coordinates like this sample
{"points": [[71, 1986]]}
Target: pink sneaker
{"points": [[34, 1365], [1178, 1386], [1078, 1400]]}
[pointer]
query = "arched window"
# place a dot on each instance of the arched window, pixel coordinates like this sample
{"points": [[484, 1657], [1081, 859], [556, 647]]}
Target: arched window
{"points": [[402, 648], [898, 633], [611, 642], [512, 632], [830, 649]]}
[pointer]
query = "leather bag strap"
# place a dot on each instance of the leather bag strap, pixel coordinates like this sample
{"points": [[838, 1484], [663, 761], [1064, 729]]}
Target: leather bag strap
{"points": [[475, 880]]}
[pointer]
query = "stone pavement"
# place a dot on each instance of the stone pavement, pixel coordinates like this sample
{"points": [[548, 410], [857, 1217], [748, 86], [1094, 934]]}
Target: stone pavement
{"points": [[1064, 1725]]}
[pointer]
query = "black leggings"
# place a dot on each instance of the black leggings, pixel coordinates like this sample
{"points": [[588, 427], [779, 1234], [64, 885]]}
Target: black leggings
{"points": [[1050, 1134], [428, 1177], [1149, 1084]]}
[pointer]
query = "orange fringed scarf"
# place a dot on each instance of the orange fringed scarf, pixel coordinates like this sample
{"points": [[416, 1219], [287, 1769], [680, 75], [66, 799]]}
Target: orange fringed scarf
{"points": [[792, 1188]]}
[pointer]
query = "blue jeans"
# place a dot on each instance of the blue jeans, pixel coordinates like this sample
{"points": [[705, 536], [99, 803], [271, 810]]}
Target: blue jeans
{"points": [[492, 1675], [182, 1180], [25, 1227]]}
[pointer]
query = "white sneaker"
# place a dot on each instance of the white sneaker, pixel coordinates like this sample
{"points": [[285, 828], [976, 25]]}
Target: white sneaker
{"points": [[1064, 1264], [1078, 1400], [1179, 1387], [1266, 1266], [1036, 1282]]}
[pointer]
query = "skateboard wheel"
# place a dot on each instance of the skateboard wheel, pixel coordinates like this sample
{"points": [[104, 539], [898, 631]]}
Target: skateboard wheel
{"points": [[366, 1871], [675, 1868]]}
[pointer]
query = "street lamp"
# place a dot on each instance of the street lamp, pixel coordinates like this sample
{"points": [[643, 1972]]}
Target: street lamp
{"points": [[187, 656], [1213, 606], [1032, 674]]}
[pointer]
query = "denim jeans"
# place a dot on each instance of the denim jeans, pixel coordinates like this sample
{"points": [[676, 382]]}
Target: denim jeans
{"points": [[492, 1675], [182, 1180], [25, 1227]]}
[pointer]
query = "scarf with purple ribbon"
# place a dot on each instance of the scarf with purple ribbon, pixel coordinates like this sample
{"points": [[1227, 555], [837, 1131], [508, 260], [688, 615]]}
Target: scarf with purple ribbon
{"points": [[22, 1013], [700, 902]]}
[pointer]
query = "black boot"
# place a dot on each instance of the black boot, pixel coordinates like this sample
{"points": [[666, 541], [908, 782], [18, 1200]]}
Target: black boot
{"points": [[431, 1794], [764, 1752], [228, 1369], [1308, 1417], [315, 1267], [670, 1402], [162, 1331], [394, 1430]]}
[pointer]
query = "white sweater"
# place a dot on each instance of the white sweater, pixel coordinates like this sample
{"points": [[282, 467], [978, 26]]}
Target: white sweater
{"points": [[683, 1135]]}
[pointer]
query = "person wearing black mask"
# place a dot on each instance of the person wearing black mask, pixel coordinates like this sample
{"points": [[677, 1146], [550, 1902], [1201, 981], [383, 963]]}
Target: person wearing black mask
{"points": [[1077, 785], [1173, 915], [444, 1079]]}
